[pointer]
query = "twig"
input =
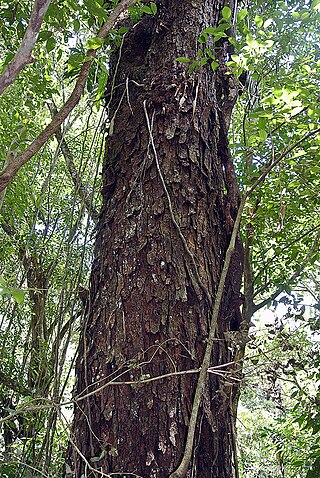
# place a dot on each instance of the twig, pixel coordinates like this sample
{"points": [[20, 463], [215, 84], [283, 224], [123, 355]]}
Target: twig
{"points": [[74, 174], [277, 160], [286, 247], [133, 382], [112, 382], [86, 461], [292, 277], [148, 380]]}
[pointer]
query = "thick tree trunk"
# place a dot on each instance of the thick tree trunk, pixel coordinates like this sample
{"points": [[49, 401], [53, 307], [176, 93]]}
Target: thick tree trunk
{"points": [[170, 197]]}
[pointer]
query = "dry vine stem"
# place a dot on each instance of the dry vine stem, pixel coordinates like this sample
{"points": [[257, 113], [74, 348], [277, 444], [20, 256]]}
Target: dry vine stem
{"points": [[182, 469], [14, 163]]}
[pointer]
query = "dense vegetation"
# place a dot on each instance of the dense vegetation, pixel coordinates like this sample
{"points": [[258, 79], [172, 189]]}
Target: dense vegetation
{"points": [[50, 209]]}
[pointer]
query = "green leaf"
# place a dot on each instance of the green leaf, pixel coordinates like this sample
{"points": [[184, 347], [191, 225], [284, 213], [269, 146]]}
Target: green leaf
{"points": [[193, 66], [154, 8], [2, 282], [210, 30], [267, 23], [214, 65], [253, 139], [315, 5], [122, 30], [4, 291], [219, 35], [262, 122], [226, 13], [50, 44], [222, 27], [44, 35], [95, 9], [203, 38], [236, 58], [269, 43], [20, 30], [258, 21], [75, 61], [263, 134], [95, 459], [183, 59], [76, 25], [147, 10], [94, 43], [298, 154], [242, 14], [18, 295]]}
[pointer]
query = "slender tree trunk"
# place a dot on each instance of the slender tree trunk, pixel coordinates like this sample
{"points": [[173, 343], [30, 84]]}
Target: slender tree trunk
{"points": [[170, 196]]}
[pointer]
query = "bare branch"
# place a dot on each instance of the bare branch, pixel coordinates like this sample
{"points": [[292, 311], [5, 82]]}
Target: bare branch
{"points": [[23, 56], [14, 163], [51, 404], [137, 382]]}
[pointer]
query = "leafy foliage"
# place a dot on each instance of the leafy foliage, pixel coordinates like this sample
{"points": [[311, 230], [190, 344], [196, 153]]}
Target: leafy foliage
{"points": [[278, 112], [46, 242], [280, 399]]}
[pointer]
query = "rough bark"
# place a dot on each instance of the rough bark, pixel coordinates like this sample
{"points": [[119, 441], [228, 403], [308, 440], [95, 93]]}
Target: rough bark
{"points": [[169, 201]]}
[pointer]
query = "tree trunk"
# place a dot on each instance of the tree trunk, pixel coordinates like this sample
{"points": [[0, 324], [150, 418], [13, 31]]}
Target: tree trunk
{"points": [[170, 197]]}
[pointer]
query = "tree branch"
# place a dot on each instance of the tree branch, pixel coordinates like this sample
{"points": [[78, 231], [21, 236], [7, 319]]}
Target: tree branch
{"points": [[23, 56], [274, 258], [14, 163], [272, 164]]}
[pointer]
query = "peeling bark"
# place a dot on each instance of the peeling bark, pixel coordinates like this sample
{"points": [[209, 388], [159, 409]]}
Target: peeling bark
{"points": [[169, 202]]}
